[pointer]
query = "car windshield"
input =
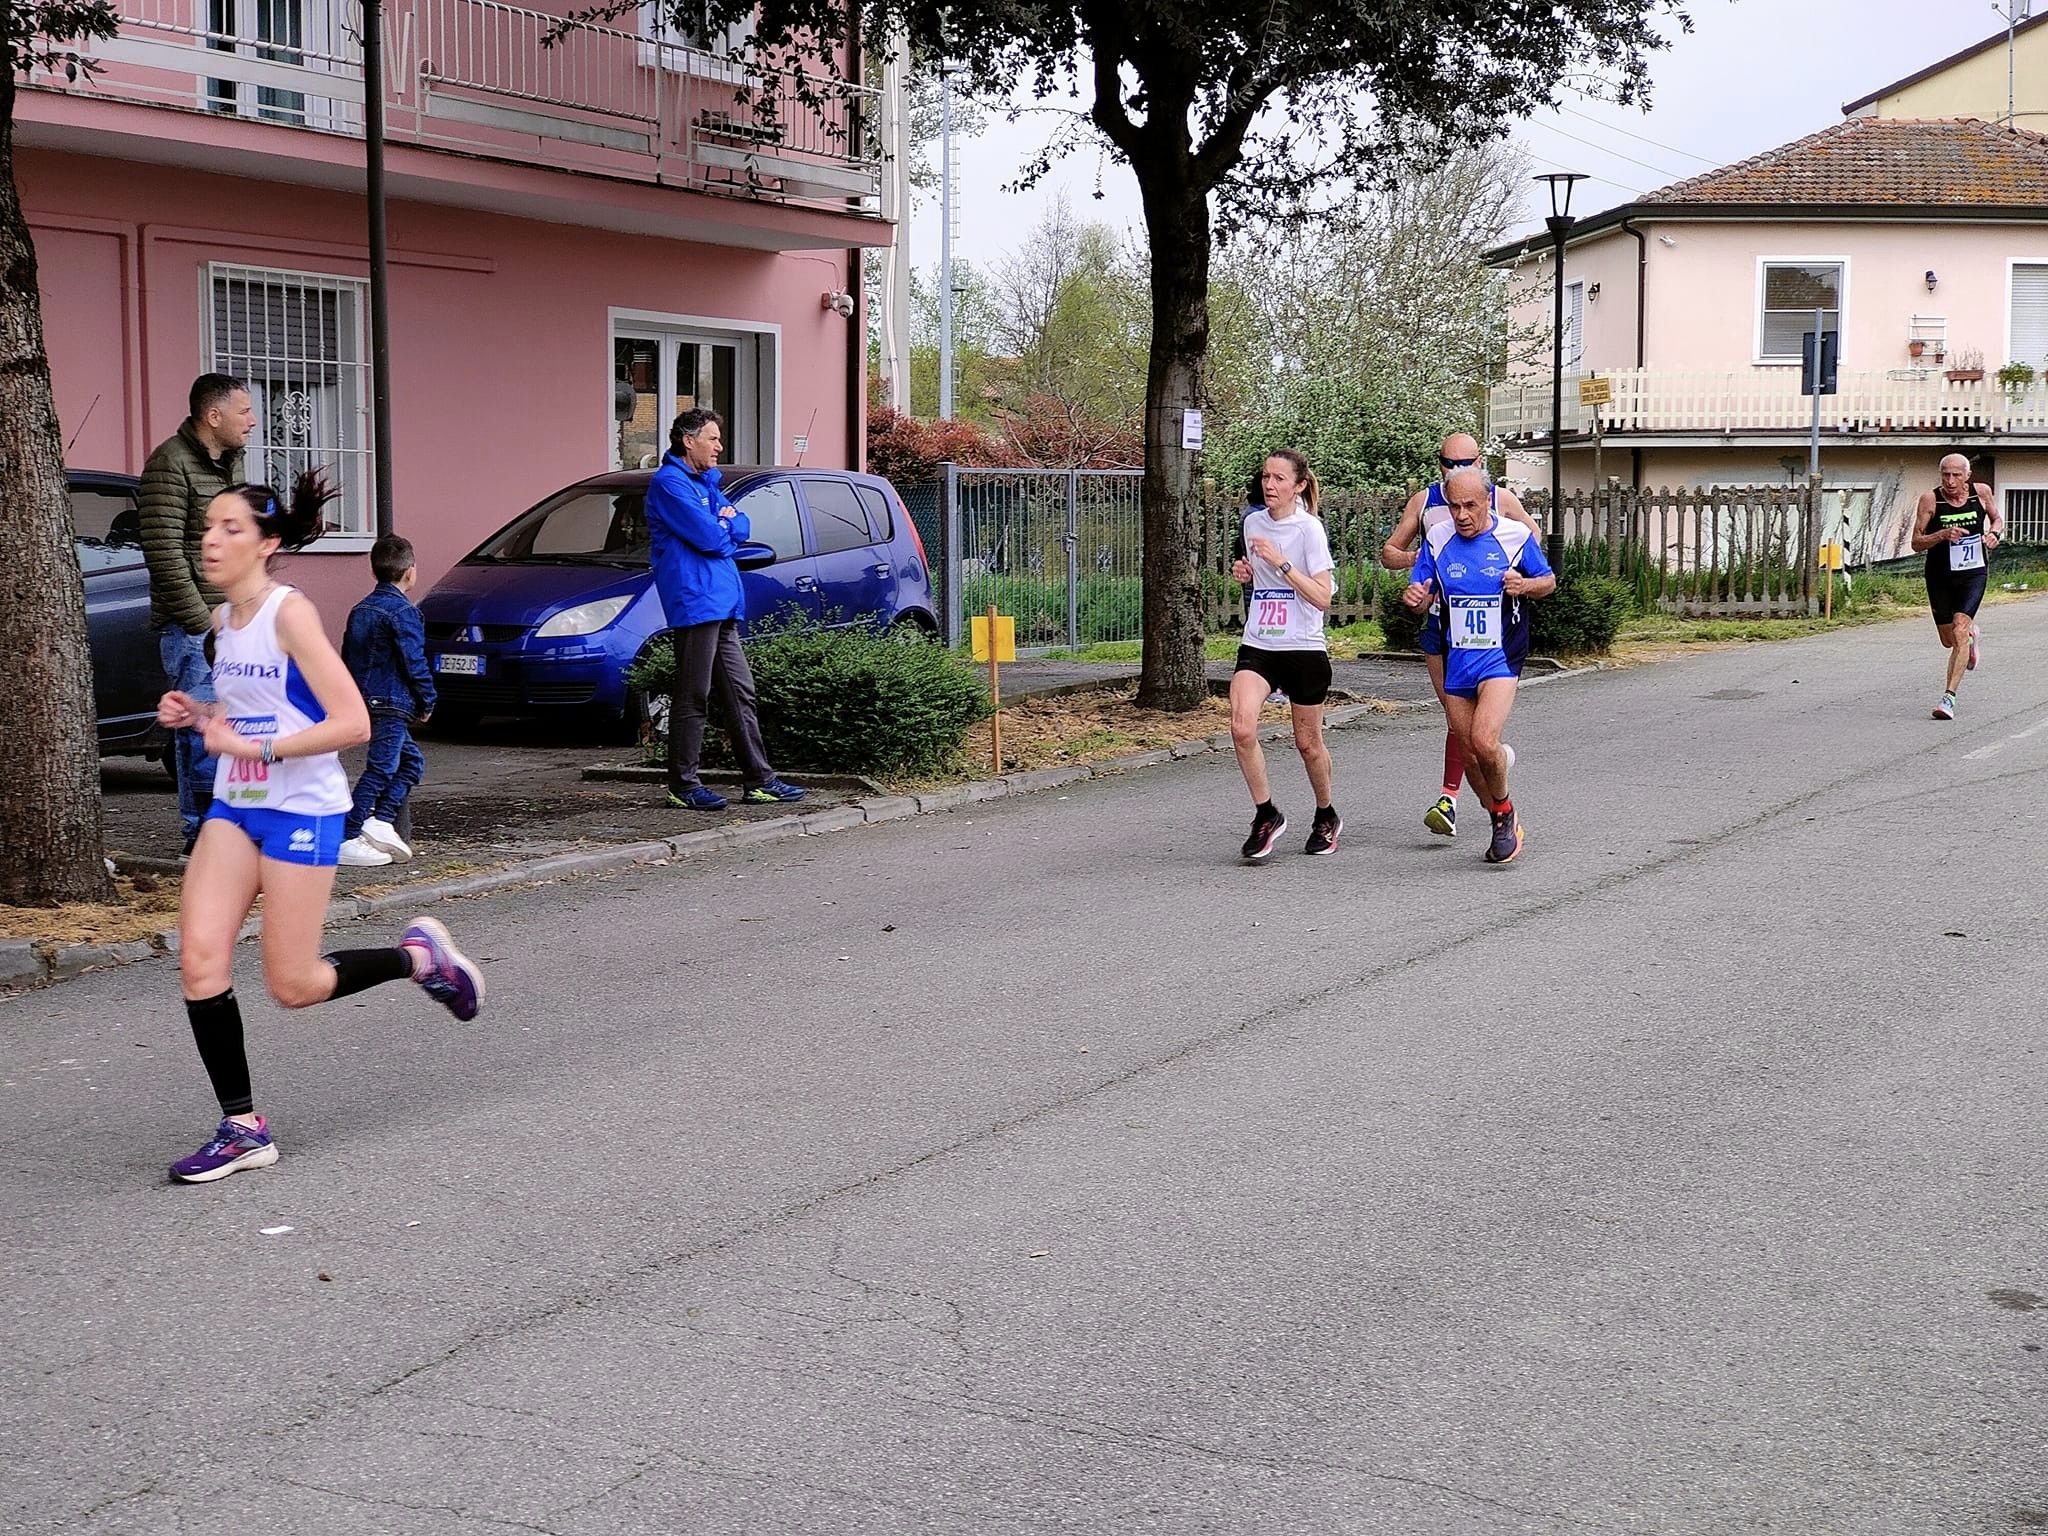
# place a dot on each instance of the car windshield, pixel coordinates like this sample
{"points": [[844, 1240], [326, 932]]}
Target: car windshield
{"points": [[578, 527]]}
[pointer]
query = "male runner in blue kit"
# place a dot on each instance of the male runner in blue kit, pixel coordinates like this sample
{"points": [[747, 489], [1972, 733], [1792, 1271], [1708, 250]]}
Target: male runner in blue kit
{"points": [[1484, 569]]}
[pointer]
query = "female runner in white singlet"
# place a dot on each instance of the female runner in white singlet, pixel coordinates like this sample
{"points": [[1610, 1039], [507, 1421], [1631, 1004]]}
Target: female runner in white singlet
{"points": [[286, 706]]}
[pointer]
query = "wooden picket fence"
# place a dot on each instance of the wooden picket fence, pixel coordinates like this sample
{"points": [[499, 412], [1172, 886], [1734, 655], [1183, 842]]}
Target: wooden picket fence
{"points": [[1716, 551]]}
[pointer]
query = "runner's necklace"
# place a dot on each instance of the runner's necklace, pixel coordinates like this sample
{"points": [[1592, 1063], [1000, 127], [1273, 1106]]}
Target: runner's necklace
{"points": [[237, 609]]}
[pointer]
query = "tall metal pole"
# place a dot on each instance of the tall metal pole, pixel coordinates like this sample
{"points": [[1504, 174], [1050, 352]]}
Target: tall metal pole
{"points": [[1553, 543], [945, 242], [380, 273]]}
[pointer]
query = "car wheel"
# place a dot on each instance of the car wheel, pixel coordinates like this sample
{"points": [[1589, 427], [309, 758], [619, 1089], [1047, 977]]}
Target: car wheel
{"points": [[911, 629]]}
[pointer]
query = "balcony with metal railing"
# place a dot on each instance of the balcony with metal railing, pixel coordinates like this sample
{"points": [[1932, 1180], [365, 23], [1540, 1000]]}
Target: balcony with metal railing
{"points": [[504, 82], [1702, 406]]}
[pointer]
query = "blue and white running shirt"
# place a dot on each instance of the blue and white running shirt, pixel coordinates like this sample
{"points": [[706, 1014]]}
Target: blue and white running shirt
{"points": [[1486, 632]]}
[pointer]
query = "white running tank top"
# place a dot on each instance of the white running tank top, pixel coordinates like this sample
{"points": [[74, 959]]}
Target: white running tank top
{"points": [[263, 694]]}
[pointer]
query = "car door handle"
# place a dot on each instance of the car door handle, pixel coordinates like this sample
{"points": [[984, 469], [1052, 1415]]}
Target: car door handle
{"points": [[807, 583], [881, 569]]}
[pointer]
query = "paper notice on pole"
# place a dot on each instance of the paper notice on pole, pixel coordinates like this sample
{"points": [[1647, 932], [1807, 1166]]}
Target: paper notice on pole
{"points": [[1191, 430]]}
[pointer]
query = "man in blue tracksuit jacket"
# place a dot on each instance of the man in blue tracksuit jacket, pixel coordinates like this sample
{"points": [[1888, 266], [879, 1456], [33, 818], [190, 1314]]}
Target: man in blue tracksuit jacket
{"points": [[696, 533]]}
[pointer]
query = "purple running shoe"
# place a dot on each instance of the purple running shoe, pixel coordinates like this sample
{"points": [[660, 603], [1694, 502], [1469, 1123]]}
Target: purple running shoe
{"points": [[234, 1147], [450, 978]]}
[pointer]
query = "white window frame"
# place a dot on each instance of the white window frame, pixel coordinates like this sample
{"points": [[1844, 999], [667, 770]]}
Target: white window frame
{"points": [[2004, 489], [1756, 340], [356, 470], [323, 52], [1575, 324], [760, 383], [2012, 264], [669, 47]]}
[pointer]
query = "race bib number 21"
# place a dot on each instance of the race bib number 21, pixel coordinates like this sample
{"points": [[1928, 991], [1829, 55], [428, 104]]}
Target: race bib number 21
{"points": [[1968, 554]]}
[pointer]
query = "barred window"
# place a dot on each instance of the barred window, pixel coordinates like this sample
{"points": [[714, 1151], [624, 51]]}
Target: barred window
{"points": [[298, 339]]}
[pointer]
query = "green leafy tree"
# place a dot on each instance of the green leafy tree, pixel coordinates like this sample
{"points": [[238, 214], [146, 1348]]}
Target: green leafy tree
{"points": [[977, 323], [1233, 117], [1075, 322], [50, 828]]}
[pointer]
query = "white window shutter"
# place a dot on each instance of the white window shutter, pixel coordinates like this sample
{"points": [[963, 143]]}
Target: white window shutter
{"points": [[2030, 315]]}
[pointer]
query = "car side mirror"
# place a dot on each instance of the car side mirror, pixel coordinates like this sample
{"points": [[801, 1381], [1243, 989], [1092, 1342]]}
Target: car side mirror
{"points": [[752, 557]]}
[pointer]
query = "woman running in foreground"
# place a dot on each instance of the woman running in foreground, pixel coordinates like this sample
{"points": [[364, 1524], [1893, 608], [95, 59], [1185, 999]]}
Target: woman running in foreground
{"points": [[286, 706]]}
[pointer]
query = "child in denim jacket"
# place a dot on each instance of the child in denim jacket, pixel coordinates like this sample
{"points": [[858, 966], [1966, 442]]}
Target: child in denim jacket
{"points": [[386, 653]]}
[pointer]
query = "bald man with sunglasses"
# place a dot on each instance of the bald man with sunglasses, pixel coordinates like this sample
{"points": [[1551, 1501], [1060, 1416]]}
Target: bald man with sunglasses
{"points": [[1425, 509]]}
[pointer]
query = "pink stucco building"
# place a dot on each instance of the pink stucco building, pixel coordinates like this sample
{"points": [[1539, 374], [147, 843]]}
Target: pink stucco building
{"points": [[1922, 244], [585, 237]]}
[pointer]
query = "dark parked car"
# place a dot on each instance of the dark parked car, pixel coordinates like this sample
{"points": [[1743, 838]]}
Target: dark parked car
{"points": [[127, 672], [548, 613]]}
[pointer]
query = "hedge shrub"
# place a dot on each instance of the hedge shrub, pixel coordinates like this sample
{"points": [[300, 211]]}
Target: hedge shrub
{"points": [[1581, 617], [851, 700]]}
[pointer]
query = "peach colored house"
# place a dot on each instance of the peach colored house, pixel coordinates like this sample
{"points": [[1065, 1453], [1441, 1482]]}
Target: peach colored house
{"points": [[1924, 245], [584, 238]]}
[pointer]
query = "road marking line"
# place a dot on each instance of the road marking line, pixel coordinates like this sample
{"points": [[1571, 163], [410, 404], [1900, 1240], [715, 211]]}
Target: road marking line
{"points": [[2030, 731], [1991, 751]]}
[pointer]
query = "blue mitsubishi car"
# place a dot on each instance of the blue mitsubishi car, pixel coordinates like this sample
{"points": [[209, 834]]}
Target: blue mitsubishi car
{"points": [[544, 618]]}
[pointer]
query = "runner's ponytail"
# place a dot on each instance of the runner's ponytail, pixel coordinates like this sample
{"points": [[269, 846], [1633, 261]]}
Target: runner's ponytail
{"points": [[294, 520], [1314, 493]]}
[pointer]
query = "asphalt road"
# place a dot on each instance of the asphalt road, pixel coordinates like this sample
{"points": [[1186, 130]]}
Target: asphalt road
{"points": [[1040, 1168]]}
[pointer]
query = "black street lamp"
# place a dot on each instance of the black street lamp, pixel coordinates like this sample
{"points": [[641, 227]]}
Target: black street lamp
{"points": [[1559, 224]]}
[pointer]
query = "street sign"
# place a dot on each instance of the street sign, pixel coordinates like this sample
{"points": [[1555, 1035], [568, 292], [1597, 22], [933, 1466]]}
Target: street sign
{"points": [[1831, 557], [1005, 636], [1594, 392], [1831, 346]]}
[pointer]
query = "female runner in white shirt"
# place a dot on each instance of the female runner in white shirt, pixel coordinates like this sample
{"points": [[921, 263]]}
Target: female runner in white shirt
{"points": [[286, 706]]}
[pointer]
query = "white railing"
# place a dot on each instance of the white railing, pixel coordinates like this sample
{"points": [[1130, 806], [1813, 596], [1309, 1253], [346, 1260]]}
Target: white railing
{"points": [[1768, 400], [508, 82]]}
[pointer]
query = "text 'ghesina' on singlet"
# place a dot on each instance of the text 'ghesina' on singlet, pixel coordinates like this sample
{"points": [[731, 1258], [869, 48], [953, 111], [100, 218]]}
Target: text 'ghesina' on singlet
{"points": [[1964, 558], [263, 694]]}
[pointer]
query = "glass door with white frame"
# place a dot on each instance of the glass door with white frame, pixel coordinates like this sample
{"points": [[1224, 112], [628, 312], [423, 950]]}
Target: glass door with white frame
{"points": [[659, 373]]}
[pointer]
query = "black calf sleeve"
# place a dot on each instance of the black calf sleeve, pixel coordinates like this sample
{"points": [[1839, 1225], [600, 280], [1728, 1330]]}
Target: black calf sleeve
{"points": [[357, 969], [217, 1028]]}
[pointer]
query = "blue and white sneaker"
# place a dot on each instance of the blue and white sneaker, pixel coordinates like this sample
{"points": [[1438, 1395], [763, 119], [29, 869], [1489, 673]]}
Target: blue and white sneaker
{"points": [[451, 977], [234, 1147], [775, 791]]}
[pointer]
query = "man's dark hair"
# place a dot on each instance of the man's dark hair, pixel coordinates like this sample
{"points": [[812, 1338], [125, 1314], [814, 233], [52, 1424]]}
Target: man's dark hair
{"points": [[391, 557], [690, 423], [211, 389]]}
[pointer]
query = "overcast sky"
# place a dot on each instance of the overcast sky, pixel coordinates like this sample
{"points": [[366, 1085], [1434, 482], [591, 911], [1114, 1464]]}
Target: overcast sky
{"points": [[1753, 73]]}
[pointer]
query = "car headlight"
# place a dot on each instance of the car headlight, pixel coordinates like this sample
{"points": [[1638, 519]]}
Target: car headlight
{"points": [[583, 619]]}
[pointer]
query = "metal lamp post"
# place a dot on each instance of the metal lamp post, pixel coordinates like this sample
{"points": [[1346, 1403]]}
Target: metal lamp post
{"points": [[1559, 224]]}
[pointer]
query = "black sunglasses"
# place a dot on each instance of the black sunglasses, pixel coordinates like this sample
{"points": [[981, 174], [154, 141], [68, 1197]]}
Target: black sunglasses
{"points": [[1456, 463]]}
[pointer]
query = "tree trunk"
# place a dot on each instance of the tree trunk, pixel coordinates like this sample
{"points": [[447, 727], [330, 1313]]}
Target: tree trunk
{"points": [[50, 833], [1177, 223]]}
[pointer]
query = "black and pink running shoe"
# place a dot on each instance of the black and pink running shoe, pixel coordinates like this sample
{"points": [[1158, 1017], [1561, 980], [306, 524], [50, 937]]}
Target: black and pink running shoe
{"points": [[451, 977]]}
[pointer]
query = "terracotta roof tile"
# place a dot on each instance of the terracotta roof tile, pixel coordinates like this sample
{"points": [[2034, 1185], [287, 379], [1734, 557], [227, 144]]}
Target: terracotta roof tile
{"points": [[1879, 161]]}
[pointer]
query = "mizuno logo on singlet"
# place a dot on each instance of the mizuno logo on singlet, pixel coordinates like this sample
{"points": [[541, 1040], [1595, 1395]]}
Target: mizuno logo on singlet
{"points": [[267, 670]]}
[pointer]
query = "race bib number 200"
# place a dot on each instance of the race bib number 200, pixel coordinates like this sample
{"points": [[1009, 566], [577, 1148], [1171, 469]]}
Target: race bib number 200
{"points": [[1475, 623], [248, 780]]}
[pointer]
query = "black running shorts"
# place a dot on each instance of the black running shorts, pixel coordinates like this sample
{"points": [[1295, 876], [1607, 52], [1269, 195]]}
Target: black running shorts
{"points": [[1956, 592], [1304, 676]]}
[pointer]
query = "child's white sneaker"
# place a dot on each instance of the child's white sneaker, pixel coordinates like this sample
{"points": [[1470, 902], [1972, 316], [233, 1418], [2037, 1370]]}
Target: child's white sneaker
{"points": [[379, 833], [361, 854]]}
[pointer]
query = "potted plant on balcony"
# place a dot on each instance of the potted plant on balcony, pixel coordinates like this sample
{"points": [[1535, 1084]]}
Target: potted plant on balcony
{"points": [[1969, 366], [1915, 347], [2016, 378]]}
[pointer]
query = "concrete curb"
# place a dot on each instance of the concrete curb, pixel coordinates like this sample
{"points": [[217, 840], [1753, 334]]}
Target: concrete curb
{"points": [[27, 964]]}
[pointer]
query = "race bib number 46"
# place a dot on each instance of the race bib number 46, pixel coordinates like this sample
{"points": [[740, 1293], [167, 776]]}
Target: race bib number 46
{"points": [[1968, 554], [1475, 623], [1272, 612]]}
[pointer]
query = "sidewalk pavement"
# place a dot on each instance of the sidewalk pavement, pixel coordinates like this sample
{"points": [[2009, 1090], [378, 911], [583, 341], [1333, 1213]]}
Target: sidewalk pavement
{"points": [[507, 793]]}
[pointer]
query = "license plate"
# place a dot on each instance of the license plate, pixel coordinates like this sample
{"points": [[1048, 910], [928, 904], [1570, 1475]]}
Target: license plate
{"points": [[473, 665]]}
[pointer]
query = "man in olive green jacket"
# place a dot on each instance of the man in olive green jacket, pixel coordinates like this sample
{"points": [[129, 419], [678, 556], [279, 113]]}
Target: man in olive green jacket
{"points": [[185, 473]]}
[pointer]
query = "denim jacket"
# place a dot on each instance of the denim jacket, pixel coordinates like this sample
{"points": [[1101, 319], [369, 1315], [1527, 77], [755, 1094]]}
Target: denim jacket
{"points": [[386, 653]]}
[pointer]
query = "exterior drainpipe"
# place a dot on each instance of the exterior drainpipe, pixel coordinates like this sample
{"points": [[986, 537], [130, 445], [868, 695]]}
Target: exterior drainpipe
{"points": [[1642, 329], [857, 323]]}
